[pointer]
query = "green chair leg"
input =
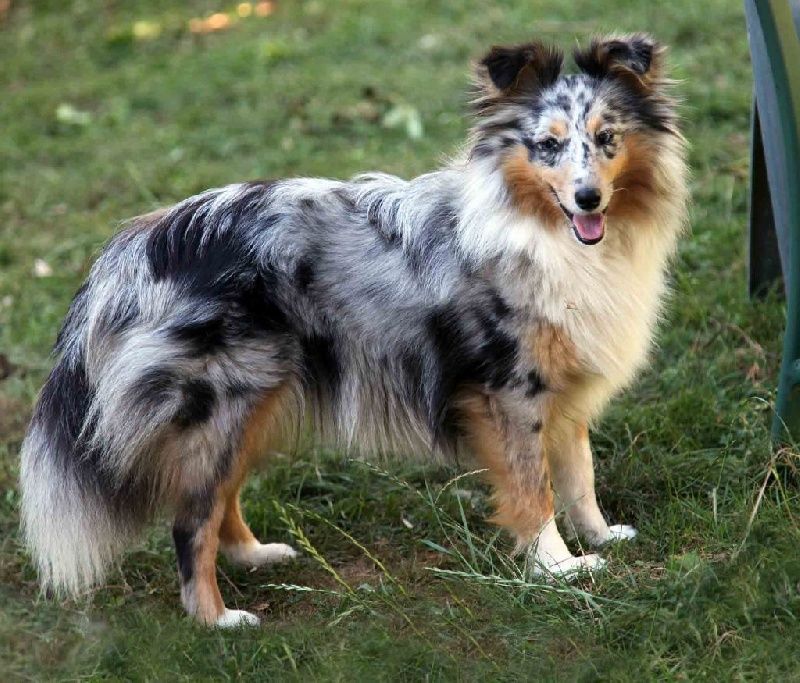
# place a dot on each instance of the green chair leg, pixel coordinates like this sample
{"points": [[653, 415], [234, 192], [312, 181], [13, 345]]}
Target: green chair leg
{"points": [[764, 262], [775, 50]]}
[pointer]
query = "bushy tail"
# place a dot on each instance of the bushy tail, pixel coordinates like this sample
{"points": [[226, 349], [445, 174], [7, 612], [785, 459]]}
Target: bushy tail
{"points": [[71, 521]]}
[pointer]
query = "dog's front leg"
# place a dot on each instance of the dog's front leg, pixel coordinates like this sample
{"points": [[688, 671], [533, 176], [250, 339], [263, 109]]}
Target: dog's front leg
{"points": [[570, 458], [506, 434]]}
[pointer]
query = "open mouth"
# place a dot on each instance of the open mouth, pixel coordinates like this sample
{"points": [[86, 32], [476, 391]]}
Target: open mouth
{"points": [[588, 228]]}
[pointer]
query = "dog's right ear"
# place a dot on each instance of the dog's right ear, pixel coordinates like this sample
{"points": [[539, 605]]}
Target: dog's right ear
{"points": [[518, 70], [636, 58]]}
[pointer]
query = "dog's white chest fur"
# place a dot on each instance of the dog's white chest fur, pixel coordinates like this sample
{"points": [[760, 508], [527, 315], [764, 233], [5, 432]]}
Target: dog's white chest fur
{"points": [[607, 297]]}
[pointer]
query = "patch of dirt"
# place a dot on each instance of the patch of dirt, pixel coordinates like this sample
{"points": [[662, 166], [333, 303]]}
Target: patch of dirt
{"points": [[14, 416], [7, 368]]}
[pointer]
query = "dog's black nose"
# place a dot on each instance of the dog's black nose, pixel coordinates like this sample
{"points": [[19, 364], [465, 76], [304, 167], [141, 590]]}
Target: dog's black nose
{"points": [[587, 198]]}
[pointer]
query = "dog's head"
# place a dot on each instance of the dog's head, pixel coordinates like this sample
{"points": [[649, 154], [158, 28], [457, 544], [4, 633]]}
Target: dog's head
{"points": [[577, 148]]}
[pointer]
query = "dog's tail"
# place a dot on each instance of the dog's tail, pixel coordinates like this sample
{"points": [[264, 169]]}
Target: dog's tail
{"points": [[82, 502], [75, 515], [68, 522]]}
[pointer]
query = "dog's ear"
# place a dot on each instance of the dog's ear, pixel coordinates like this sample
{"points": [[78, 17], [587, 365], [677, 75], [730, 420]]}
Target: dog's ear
{"points": [[636, 58], [519, 69]]}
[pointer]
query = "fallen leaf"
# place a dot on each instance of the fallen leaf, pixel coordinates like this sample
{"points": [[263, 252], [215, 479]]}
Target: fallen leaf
{"points": [[264, 9], [214, 22], [66, 113], [42, 268], [404, 116], [146, 30]]}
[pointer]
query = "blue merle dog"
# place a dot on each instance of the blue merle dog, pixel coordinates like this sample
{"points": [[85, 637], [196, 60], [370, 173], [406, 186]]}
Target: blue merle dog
{"points": [[490, 308]]}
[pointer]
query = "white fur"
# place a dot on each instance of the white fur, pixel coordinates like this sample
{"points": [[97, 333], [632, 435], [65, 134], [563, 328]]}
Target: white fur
{"points": [[74, 537], [551, 557], [258, 554], [237, 618], [622, 532]]}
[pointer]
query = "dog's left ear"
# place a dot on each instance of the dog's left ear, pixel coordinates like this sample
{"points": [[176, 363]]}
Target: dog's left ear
{"points": [[636, 58]]}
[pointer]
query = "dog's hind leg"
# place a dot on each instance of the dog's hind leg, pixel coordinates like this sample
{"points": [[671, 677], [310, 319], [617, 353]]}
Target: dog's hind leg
{"points": [[196, 536], [570, 458], [209, 517], [239, 545], [237, 542], [507, 439]]}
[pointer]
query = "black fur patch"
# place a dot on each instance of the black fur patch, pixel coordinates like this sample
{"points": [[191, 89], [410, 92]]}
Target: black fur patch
{"points": [[184, 549], [62, 412], [535, 384], [452, 369], [586, 152], [601, 57], [486, 359], [564, 103], [304, 273], [156, 386], [499, 306], [119, 318], [321, 368], [182, 246], [491, 129], [497, 352], [255, 295], [204, 335], [198, 404], [650, 111]]}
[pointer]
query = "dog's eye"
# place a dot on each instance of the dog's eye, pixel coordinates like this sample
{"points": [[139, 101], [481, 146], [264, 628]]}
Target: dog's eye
{"points": [[548, 144], [605, 138]]}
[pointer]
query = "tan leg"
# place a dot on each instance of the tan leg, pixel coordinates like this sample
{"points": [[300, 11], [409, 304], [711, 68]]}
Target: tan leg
{"points": [[196, 535], [509, 445], [570, 458], [239, 544], [206, 522]]}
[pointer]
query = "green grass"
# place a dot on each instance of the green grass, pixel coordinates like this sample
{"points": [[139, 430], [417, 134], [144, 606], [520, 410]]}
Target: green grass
{"points": [[409, 583]]}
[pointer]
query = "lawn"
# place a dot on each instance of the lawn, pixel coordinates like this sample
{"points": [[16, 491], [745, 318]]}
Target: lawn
{"points": [[110, 109]]}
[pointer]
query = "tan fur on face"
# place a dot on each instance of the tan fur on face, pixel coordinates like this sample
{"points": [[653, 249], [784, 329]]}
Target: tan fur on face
{"points": [[636, 187], [558, 129], [530, 191], [593, 125]]}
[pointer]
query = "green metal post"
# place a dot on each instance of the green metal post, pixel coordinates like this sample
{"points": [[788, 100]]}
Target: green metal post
{"points": [[783, 52]]}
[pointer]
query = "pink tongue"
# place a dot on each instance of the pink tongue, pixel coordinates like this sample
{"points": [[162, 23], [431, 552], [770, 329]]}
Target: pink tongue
{"points": [[589, 226]]}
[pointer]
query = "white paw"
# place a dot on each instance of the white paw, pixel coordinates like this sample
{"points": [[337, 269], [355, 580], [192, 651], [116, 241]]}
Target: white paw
{"points": [[575, 566], [572, 567], [621, 532], [236, 618], [259, 554]]}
